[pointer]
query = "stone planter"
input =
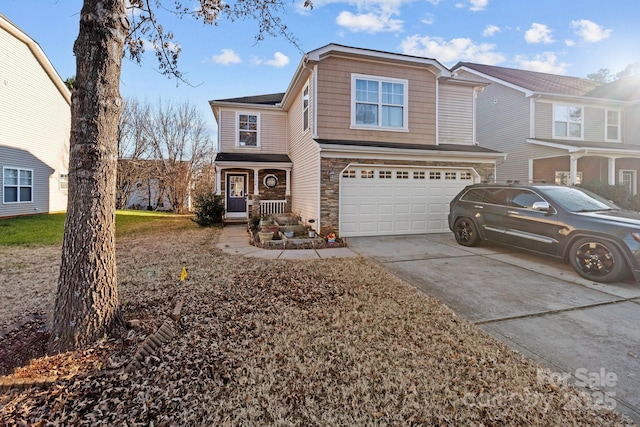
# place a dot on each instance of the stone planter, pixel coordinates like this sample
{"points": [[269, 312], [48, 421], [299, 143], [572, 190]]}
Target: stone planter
{"points": [[265, 236]]}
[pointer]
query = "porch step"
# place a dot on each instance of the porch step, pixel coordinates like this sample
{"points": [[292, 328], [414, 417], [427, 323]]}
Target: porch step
{"points": [[232, 221]]}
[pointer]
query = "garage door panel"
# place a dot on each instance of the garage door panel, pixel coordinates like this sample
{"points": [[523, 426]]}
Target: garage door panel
{"points": [[396, 205]]}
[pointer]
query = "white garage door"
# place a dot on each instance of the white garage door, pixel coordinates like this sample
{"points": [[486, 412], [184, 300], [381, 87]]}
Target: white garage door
{"points": [[387, 200]]}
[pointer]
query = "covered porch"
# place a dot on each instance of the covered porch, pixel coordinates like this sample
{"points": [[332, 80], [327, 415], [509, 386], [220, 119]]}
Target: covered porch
{"points": [[253, 185], [579, 161]]}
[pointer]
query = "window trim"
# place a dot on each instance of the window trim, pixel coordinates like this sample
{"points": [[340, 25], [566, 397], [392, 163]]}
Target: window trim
{"points": [[63, 181], [305, 109], [380, 80], [568, 177], [634, 183], [568, 136], [606, 124], [258, 120], [18, 186]]}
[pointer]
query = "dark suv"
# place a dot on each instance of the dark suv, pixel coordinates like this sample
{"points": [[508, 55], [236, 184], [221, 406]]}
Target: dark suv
{"points": [[599, 240]]}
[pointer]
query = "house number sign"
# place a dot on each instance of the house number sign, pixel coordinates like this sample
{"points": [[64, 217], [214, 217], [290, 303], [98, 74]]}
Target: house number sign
{"points": [[270, 181]]}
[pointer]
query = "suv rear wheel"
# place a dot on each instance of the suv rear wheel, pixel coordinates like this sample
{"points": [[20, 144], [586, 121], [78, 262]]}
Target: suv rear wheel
{"points": [[597, 260], [465, 232]]}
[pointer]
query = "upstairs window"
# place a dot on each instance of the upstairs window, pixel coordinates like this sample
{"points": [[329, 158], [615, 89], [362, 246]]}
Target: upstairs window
{"points": [[567, 122], [378, 102], [613, 125], [17, 185], [248, 126], [305, 109]]}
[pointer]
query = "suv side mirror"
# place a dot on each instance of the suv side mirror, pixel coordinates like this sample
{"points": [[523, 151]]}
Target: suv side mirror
{"points": [[541, 206]]}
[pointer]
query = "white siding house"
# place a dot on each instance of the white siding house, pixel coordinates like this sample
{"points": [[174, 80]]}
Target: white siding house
{"points": [[35, 121]]}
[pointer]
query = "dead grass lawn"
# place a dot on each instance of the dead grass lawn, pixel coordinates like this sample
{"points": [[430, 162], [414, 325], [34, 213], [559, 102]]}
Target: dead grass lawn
{"points": [[322, 342]]}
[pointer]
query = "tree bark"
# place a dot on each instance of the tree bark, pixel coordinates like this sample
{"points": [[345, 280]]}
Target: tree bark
{"points": [[87, 298]]}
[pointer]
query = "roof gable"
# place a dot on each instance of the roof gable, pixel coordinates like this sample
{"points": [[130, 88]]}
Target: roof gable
{"points": [[37, 52], [533, 81]]}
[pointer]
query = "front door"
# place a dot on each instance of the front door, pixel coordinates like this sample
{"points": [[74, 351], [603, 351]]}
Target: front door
{"points": [[236, 196]]}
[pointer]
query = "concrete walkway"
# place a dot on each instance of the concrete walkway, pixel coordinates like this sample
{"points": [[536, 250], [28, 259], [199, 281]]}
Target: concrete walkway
{"points": [[234, 240]]}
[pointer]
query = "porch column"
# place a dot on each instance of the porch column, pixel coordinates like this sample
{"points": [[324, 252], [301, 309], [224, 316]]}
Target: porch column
{"points": [[218, 179], [612, 171], [256, 187], [573, 170], [288, 185]]}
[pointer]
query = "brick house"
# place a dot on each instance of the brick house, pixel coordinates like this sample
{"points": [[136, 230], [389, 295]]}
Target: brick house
{"points": [[558, 129], [362, 143]]}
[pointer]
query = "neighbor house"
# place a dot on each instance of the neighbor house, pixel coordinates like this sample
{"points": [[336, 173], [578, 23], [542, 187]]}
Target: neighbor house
{"points": [[35, 121], [557, 128], [361, 143]]}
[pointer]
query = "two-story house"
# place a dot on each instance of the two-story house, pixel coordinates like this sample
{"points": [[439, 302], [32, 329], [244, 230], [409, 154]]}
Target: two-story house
{"points": [[362, 143], [35, 123], [558, 129]]}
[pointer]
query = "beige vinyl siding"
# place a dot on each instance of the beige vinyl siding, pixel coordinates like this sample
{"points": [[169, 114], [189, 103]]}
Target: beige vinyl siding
{"points": [[334, 101], [631, 125], [593, 119], [544, 120], [503, 122], [272, 131], [305, 175], [455, 115], [35, 121]]}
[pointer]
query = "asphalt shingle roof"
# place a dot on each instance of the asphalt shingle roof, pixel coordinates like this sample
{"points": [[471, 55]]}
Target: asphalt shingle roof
{"points": [[268, 99], [535, 81]]}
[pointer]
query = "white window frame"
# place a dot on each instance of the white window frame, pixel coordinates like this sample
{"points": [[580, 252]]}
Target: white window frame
{"points": [[564, 177], [380, 80], [305, 109], [606, 124], [568, 122], [634, 182], [64, 181], [258, 119], [18, 185]]}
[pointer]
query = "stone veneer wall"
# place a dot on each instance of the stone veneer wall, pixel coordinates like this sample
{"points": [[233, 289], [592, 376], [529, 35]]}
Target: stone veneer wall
{"points": [[330, 189]]}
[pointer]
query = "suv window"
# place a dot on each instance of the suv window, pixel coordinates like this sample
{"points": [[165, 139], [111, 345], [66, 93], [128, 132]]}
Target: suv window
{"points": [[521, 198], [473, 195]]}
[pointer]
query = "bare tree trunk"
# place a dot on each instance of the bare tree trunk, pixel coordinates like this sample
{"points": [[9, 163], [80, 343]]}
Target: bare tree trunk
{"points": [[87, 299]]}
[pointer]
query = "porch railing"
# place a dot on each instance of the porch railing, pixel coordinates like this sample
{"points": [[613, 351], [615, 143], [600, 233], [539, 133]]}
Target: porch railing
{"points": [[270, 207]]}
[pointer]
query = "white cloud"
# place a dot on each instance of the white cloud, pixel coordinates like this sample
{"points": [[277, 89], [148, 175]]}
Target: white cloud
{"points": [[368, 22], [490, 30], [538, 33], [459, 49], [370, 15], [279, 60], [228, 56], [478, 5], [569, 43], [428, 19], [589, 31], [546, 62]]}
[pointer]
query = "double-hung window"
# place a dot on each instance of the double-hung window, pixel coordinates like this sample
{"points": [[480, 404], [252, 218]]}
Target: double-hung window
{"points": [[379, 102], [248, 130], [567, 121], [613, 125], [17, 185]]}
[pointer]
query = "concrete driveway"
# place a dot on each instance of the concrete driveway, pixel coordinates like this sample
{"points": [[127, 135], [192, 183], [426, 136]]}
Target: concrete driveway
{"points": [[584, 331]]}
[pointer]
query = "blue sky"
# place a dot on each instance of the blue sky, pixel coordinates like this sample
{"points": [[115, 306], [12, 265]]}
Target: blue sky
{"points": [[573, 37]]}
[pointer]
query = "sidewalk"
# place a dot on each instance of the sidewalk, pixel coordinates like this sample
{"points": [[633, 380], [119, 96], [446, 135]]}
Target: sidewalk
{"points": [[234, 240]]}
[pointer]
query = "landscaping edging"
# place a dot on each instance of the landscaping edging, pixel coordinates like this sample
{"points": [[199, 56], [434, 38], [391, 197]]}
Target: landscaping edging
{"points": [[147, 348]]}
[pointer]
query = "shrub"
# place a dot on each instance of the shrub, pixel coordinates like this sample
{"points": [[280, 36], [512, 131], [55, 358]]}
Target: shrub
{"points": [[209, 209], [618, 194]]}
